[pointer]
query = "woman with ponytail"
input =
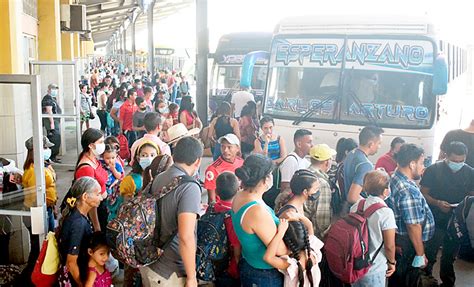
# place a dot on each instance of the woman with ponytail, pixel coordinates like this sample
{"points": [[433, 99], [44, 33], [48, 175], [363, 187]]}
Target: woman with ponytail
{"points": [[93, 146], [75, 230], [300, 267], [255, 223]]}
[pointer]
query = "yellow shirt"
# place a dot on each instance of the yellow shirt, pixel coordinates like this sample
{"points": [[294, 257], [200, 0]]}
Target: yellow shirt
{"points": [[29, 184]]}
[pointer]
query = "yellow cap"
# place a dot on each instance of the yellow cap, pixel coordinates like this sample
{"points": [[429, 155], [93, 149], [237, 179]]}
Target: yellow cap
{"points": [[322, 152]]}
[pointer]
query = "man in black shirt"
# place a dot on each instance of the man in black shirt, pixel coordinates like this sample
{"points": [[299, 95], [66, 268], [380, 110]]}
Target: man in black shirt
{"points": [[445, 184], [465, 136], [50, 106]]}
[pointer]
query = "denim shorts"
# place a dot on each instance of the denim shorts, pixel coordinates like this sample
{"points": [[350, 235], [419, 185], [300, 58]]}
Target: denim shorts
{"points": [[253, 277]]}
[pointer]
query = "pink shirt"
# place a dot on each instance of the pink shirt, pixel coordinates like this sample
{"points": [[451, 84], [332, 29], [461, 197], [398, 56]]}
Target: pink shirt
{"points": [[164, 148]]}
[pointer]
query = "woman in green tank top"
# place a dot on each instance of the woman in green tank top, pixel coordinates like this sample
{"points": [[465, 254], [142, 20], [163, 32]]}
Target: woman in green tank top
{"points": [[255, 223]]}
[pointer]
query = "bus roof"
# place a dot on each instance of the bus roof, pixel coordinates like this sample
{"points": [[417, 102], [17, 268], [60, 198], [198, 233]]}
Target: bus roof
{"points": [[378, 25], [242, 43]]}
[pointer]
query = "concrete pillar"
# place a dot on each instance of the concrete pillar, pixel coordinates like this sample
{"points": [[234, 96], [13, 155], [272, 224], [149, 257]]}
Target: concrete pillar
{"points": [[77, 46], [134, 50], [125, 56], [67, 44], [15, 109], [151, 45], [202, 37]]}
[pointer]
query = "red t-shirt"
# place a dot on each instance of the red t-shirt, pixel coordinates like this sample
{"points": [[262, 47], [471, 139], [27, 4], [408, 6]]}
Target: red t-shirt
{"points": [[99, 173], [126, 115], [218, 167], [223, 206], [387, 162]]}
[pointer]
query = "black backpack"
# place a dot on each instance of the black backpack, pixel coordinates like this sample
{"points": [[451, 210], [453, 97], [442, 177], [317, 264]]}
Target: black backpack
{"points": [[457, 225], [212, 253], [270, 196]]}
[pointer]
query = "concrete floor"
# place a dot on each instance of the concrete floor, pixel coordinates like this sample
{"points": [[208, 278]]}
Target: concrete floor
{"points": [[464, 270]]}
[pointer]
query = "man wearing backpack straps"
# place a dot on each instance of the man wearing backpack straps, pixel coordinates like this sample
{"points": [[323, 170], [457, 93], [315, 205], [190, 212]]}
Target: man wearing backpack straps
{"points": [[320, 211], [415, 222], [179, 211], [443, 184], [303, 141]]}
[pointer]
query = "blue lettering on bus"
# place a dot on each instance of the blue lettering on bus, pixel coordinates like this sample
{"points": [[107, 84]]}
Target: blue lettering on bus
{"points": [[405, 55]]}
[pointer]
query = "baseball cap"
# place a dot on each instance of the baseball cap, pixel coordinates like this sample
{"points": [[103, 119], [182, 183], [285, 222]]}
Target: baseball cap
{"points": [[230, 138], [46, 143], [321, 152]]}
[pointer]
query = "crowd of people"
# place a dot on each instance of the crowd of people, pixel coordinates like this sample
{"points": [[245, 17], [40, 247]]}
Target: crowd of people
{"points": [[281, 204]]}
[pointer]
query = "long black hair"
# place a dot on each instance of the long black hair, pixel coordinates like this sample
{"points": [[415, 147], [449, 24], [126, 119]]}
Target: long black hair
{"points": [[302, 180], [296, 238], [186, 105], [255, 168], [91, 135], [343, 146]]}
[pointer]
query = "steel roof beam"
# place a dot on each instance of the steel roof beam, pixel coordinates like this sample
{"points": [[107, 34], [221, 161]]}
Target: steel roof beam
{"points": [[119, 8]]}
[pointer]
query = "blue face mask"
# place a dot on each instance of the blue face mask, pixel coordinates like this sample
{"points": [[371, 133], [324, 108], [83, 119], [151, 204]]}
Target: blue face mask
{"points": [[47, 153], [455, 166], [54, 93], [145, 162]]}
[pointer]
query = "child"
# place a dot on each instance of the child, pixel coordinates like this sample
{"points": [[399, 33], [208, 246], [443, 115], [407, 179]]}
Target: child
{"points": [[226, 188], [115, 142], [98, 251], [133, 182], [115, 174], [174, 111], [304, 250]]}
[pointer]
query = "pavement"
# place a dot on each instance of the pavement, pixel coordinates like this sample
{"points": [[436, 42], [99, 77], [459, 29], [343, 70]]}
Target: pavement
{"points": [[464, 270]]}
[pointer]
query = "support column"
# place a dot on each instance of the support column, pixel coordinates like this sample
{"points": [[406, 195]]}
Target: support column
{"points": [[77, 46], [202, 38], [10, 59], [124, 35], [151, 44], [49, 31], [134, 51], [67, 44]]}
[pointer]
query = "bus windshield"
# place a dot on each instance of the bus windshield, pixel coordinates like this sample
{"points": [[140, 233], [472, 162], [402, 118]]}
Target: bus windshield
{"points": [[228, 77], [392, 88]]}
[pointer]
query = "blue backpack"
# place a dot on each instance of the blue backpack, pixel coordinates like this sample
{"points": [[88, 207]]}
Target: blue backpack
{"points": [[212, 254]]}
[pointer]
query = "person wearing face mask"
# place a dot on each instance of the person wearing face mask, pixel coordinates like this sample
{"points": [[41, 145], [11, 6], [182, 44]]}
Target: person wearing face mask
{"points": [[320, 212], [138, 86], [415, 222], [88, 164], [50, 106], [29, 191], [180, 210], [139, 116], [382, 226], [143, 157], [445, 184], [305, 188]]}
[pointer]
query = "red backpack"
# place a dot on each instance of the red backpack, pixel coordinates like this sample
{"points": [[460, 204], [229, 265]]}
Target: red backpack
{"points": [[124, 150], [347, 244]]}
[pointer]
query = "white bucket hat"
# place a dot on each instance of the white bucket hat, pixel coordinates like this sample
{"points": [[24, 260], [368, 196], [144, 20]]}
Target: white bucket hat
{"points": [[179, 131]]}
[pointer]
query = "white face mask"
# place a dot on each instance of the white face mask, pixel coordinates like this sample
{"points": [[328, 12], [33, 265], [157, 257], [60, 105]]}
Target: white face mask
{"points": [[47, 153], [99, 149], [145, 162]]}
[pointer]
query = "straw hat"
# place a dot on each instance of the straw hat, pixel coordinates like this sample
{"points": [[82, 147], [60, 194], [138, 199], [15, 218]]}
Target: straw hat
{"points": [[179, 131]]}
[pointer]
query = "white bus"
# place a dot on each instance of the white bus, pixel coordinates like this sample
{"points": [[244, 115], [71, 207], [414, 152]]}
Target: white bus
{"points": [[335, 75]]}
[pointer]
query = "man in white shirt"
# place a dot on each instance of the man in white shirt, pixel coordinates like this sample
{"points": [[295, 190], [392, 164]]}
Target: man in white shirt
{"points": [[382, 227], [152, 123], [240, 99], [295, 160]]}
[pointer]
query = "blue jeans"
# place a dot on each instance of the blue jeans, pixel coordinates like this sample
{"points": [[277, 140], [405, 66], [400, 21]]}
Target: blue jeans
{"points": [[371, 280], [50, 219], [253, 277]]}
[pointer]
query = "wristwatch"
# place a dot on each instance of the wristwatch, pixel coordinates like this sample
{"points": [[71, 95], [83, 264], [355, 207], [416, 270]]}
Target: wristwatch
{"points": [[392, 263]]}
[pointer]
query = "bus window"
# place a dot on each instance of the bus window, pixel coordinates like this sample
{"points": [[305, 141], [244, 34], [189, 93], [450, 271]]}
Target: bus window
{"points": [[228, 77], [390, 98]]}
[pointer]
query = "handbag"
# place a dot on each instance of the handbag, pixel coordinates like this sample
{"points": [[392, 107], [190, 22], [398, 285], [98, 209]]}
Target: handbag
{"points": [[45, 272]]}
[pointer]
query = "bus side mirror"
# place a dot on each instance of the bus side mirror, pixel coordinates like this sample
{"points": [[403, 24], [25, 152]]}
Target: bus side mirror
{"points": [[440, 76], [247, 67]]}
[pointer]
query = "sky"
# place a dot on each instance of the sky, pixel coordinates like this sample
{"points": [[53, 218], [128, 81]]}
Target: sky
{"points": [[226, 16]]}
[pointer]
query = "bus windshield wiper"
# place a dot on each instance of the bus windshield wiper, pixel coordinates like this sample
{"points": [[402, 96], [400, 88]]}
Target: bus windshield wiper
{"points": [[311, 110], [358, 102]]}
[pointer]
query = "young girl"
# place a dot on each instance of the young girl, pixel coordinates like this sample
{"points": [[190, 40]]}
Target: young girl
{"points": [[133, 182], [116, 144], [98, 251], [115, 174], [304, 251]]}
